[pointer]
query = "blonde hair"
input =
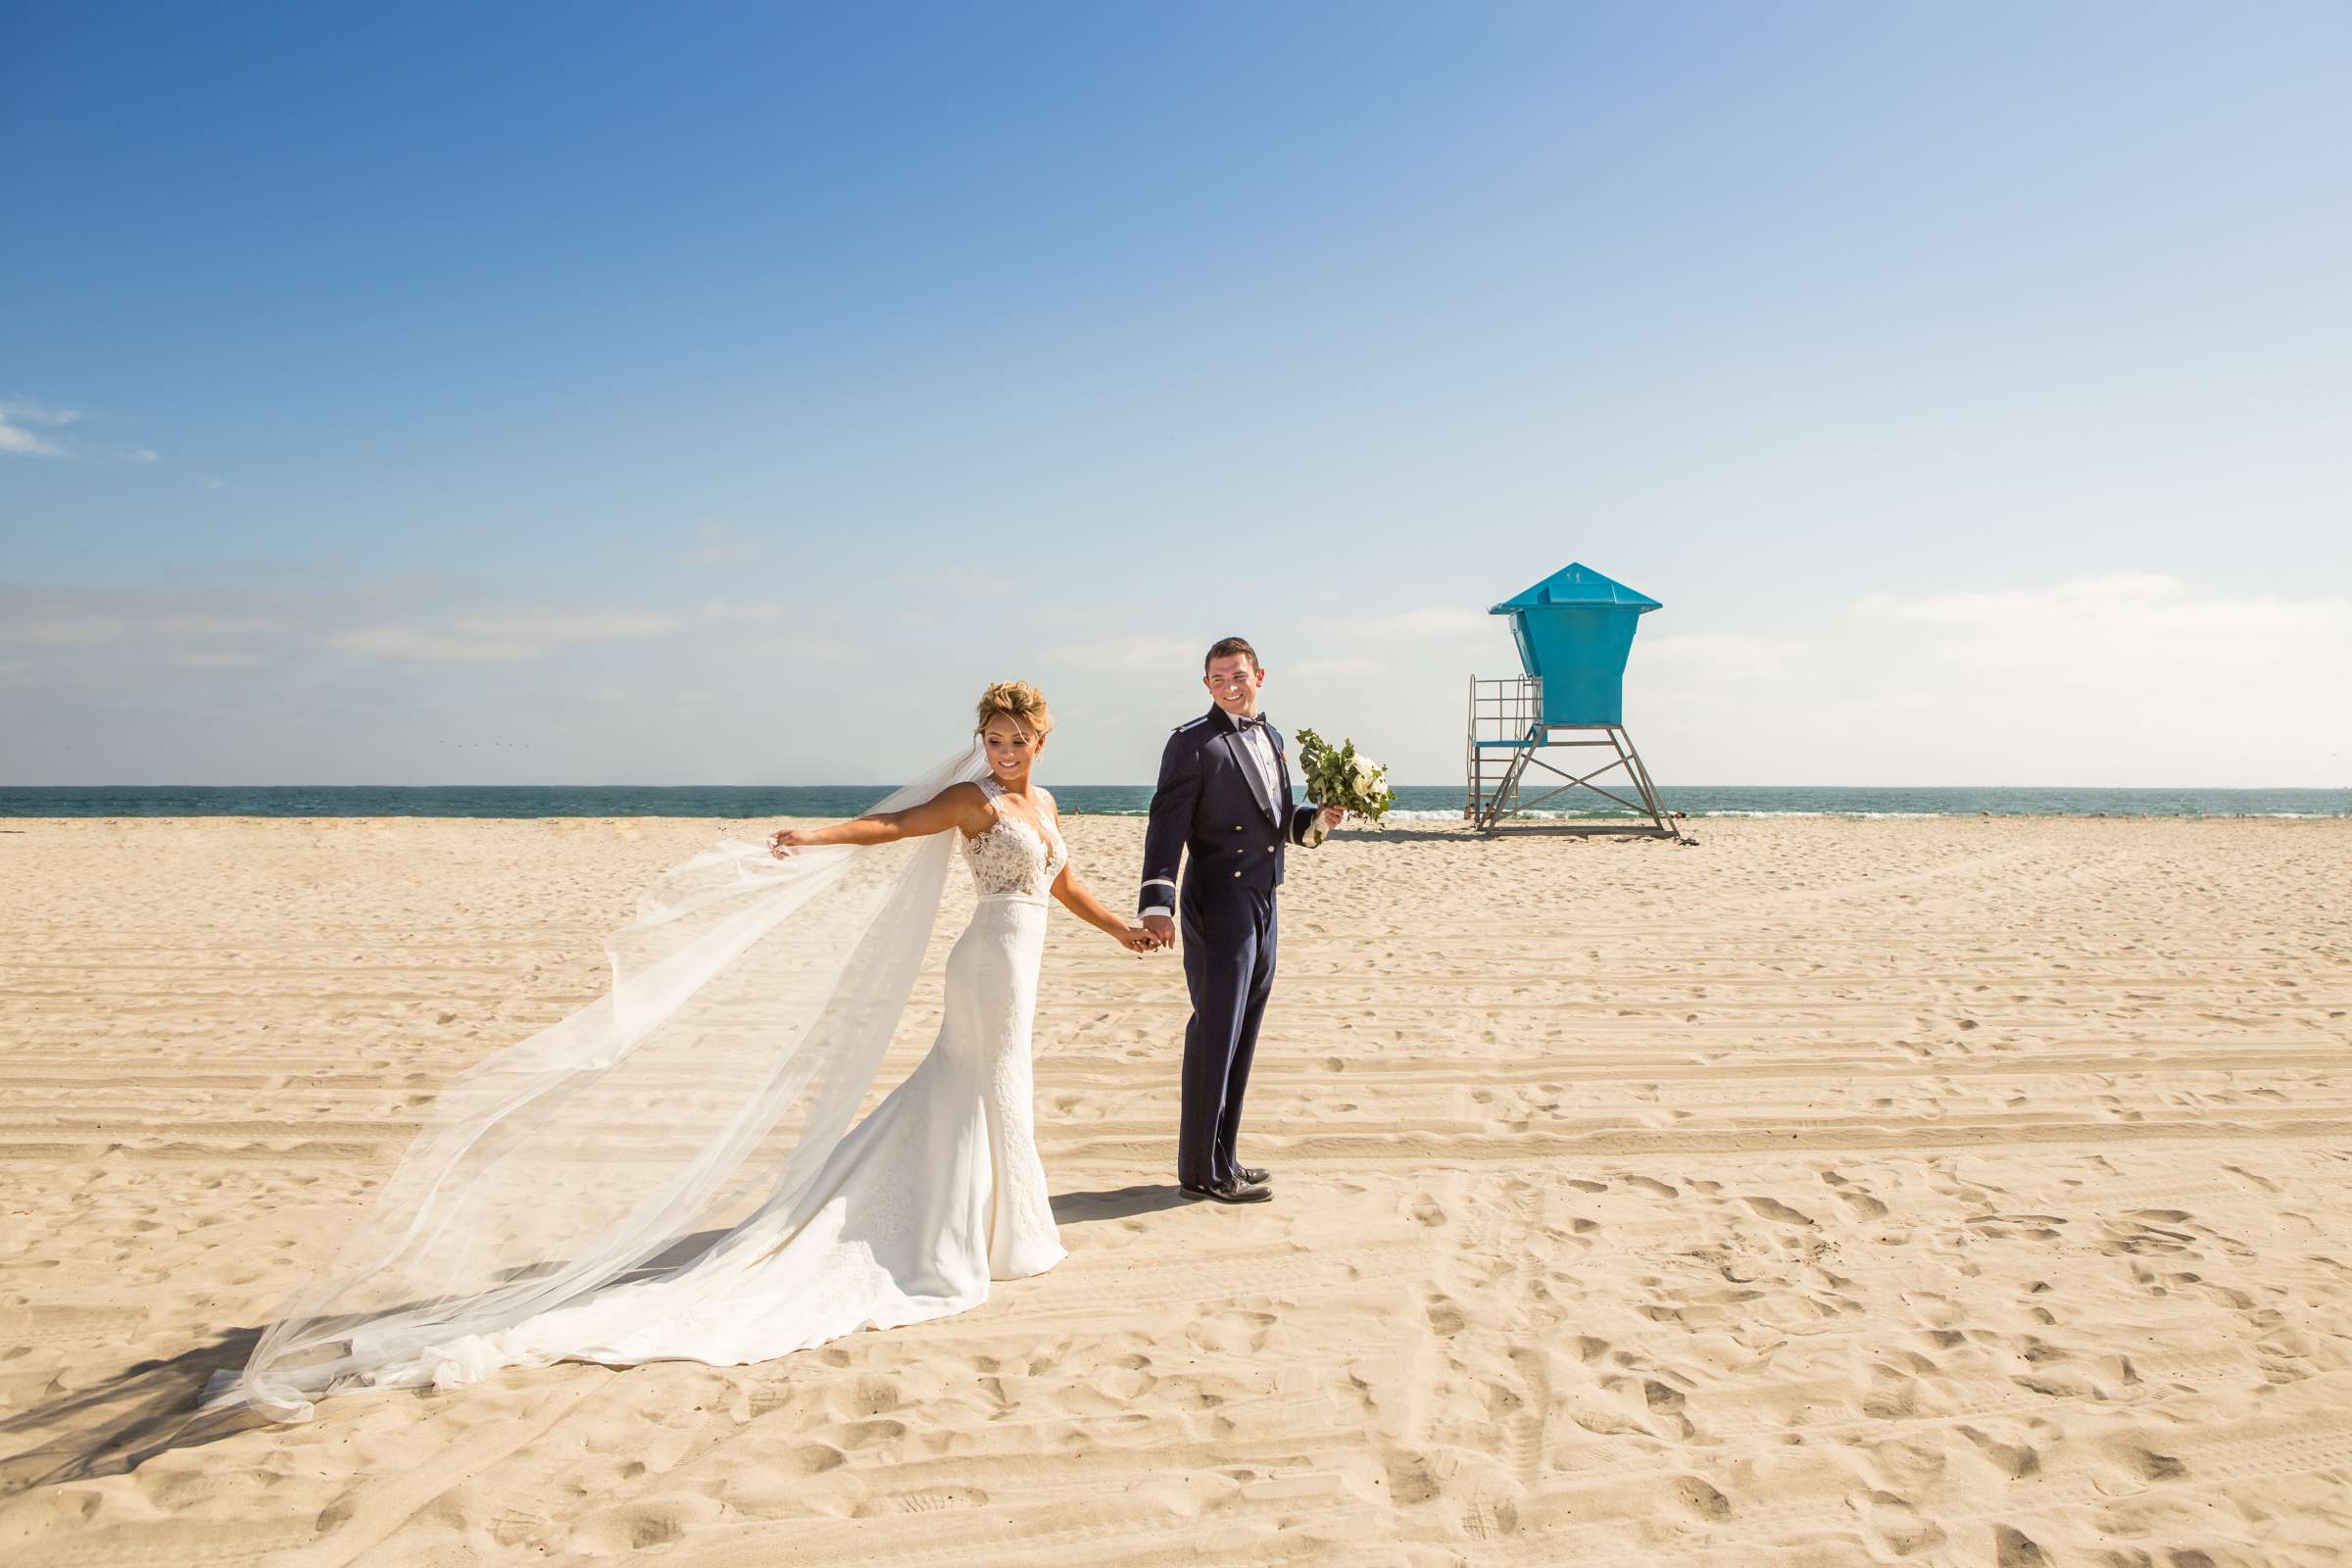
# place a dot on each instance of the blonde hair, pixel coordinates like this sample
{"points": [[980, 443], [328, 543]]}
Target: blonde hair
{"points": [[1017, 701]]}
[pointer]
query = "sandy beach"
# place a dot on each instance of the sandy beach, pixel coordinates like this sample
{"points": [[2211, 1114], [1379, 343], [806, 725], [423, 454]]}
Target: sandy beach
{"points": [[1953, 1191]]}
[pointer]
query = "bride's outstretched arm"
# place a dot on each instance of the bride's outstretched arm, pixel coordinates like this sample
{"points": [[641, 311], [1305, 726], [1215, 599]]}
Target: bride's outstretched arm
{"points": [[957, 805], [1079, 899]]}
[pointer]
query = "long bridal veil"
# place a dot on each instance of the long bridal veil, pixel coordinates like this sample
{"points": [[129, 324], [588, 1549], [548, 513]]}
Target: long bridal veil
{"points": [[752, 1002]]}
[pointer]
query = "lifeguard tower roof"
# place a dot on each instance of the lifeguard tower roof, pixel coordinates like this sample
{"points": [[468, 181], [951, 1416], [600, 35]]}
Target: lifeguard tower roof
{"points": [[1576, 585]]}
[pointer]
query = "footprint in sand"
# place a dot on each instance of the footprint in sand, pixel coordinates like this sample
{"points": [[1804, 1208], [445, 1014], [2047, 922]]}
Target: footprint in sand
{"points": [[2015, 1460], [1702, 1499], [2014, 1548], [1772, 1208]]}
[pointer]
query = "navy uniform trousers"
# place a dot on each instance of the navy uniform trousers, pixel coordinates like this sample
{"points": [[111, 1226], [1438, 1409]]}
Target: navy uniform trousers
{"points": [[1228, 824], [1229, 944]]}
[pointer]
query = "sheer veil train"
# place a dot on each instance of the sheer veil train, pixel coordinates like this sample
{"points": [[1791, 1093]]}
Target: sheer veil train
{"points": [[751, 1004]]}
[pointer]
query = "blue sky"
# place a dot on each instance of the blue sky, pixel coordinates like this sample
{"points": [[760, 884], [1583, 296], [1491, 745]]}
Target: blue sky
{"points": [[721, 394]]}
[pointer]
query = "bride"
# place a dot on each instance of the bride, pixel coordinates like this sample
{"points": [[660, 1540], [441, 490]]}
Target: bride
{"points": [[669, 1174]]}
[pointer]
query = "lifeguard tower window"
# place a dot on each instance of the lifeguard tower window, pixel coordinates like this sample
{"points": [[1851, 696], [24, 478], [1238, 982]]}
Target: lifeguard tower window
{"points": [[1573, 631]]}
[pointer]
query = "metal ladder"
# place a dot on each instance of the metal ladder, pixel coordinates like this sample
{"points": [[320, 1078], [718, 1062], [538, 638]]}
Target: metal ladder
{"points": [[1503, 724]]}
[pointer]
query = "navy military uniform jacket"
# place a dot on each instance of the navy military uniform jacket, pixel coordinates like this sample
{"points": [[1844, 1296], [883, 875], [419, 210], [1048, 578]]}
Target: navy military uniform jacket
{"points": [[1211, 801]]}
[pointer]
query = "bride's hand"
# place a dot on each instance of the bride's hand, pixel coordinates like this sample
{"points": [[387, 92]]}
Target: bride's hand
{"points": [[784, 841]]}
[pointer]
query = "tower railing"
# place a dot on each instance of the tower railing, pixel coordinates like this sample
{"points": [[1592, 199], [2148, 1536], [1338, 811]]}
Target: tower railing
{"points": [[1504, 714]]}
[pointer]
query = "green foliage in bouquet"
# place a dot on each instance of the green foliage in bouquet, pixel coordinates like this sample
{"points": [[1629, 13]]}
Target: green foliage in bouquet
{"points": [[1338, 775]]}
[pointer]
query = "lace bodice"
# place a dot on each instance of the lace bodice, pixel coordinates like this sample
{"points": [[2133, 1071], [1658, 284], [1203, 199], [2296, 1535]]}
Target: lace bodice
{"points": [[1013, 856]]}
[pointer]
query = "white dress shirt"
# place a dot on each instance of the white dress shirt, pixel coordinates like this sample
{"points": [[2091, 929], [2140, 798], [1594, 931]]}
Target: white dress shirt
{"points": [[1262, 752]]}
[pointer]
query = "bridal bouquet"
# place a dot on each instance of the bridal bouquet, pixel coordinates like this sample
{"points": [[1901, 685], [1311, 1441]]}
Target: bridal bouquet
{"points": [[1336, 775]]}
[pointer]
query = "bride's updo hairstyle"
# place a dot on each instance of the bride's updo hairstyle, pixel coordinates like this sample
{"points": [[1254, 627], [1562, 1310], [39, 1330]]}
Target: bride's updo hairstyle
{"points": [[1017, 701]]}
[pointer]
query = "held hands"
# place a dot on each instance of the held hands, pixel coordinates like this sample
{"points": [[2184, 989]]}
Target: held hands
{"points": [[1157, 931]]}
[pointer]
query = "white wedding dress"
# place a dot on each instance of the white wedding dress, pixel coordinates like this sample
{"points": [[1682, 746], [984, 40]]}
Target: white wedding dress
{"points": [[937, 1192]]}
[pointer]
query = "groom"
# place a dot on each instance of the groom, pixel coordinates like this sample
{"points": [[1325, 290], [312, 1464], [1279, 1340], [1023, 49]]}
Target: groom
{"points": [[1225, 795]]}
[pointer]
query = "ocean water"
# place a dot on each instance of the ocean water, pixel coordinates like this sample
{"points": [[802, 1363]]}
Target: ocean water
{"points": [[1429, 803]]}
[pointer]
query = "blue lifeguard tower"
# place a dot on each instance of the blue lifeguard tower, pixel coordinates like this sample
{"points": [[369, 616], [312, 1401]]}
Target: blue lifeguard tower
{"points": [[1574, 630]]}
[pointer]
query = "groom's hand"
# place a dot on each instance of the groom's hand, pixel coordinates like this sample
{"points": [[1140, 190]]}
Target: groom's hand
{"points": [[1161, 926], [1331, 816]]}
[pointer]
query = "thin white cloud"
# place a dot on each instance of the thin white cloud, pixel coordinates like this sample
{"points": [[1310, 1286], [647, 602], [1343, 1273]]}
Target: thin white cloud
{"points": [[1718, 654], [87, 632], [2008, 606], [2109, 678], [215, 625], [807, 648], [37, 625], [1330, 649], [1129, 653], [141, 455], [499, 637], [21, 442], [1334, 668], [198, 659], [2101, 679], [1433, 623], [777, 630], [1435, 620], [2123, 621], [38, 413], [415, 645], [953, 583], [24, 444], [717, 544], [750, 614], [555, 626]]}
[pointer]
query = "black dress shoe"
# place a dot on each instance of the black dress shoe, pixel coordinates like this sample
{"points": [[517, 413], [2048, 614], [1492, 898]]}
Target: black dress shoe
{"points": [[1253, 1175], [1231, 1192]]}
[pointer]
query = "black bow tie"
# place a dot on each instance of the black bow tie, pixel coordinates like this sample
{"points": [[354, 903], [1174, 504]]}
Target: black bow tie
{"points": [[1245, 725]]}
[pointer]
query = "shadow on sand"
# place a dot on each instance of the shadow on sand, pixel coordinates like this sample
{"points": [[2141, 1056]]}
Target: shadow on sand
{"points": [[118, 1424], [1117, 1202], [121, 1422]]}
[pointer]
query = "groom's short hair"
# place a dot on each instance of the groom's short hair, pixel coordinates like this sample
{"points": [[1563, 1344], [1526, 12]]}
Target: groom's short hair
{"points": [[1226, 648]]}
